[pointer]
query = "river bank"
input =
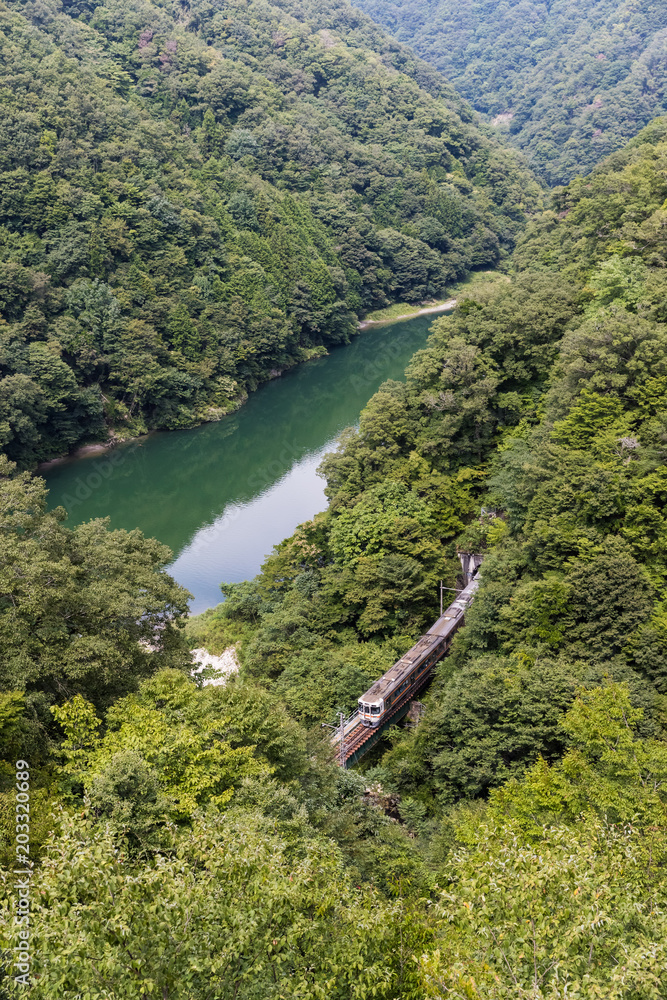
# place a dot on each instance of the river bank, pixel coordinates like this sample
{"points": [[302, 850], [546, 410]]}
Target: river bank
{"points": [[441, 307], [116, 439], [87, 451], [223, 494], [212, 415]]}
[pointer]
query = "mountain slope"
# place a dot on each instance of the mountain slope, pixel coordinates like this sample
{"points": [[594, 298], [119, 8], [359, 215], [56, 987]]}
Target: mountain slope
{"points": [[204, 834], [532, 428], [567, 82], [193, 198]]}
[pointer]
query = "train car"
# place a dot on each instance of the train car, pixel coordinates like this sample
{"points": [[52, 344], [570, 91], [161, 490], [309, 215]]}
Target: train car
{"points": [[404, 679]]}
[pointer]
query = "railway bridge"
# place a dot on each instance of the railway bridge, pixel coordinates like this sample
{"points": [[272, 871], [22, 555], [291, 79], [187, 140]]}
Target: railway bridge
{"points": [[388, 700]]}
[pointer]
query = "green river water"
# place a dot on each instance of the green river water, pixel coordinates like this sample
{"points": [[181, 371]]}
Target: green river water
{"points": [[222, 495]]}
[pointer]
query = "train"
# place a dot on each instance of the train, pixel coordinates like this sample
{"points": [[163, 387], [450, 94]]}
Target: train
{"points": [[402, 681]]}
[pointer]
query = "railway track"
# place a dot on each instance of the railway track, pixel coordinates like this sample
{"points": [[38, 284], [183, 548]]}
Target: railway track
{"points": [[357, 735], [388, 699]]}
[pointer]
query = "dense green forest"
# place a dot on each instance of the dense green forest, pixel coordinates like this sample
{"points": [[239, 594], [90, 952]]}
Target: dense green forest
{"points": [[533, 428], [198, 842], [567, 82], [195, 197]]}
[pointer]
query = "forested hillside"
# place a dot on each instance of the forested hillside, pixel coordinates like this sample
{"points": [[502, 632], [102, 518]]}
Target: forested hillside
{"points": [[195, 197], [533, 428], [198, 843], [568, 83], [195, 842]]}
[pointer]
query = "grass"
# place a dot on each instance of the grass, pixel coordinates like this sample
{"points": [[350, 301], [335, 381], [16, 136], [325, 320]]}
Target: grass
{"points": [[214, 632], [401, 309], [467, 288]]}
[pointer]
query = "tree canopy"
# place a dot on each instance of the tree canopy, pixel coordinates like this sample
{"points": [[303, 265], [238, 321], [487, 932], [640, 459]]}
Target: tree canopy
{"points": [[195, 200], [567, 83], [199, 842]]}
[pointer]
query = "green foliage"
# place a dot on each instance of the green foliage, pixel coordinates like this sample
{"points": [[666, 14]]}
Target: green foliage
{"points": [[125, 793], [192, 202], [581, 913], [215, 854], [566, 83], [42, 803], [380, 516], [619, 279], [486, 722], [190, 745], [235, 912], [84, 611], [609, 770], [80, 725], [483, 370], [545, 897], [602, 228], [11, 709], [592, 413]]}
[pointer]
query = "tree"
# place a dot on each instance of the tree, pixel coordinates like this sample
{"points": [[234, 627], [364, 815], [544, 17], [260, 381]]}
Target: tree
{"points": [[611, 769], [233, 912], [582, 910], [488, 721], [561, 885], [183, 334], [610, 597], [85, 611], [383, 515]]}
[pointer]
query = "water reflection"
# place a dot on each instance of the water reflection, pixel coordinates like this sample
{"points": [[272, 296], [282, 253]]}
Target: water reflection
{"points": [[222, 495]]}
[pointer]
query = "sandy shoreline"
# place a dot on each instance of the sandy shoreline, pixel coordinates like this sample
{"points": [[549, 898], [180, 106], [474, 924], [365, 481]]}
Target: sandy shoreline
{"points": [[444, 307], [87, 450]]}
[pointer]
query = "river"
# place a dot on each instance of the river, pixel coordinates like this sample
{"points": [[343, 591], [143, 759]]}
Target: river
{"points": [[222, 495]]}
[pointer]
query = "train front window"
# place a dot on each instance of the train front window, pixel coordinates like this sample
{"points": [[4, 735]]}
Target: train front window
{"points": [[375, 709]]}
